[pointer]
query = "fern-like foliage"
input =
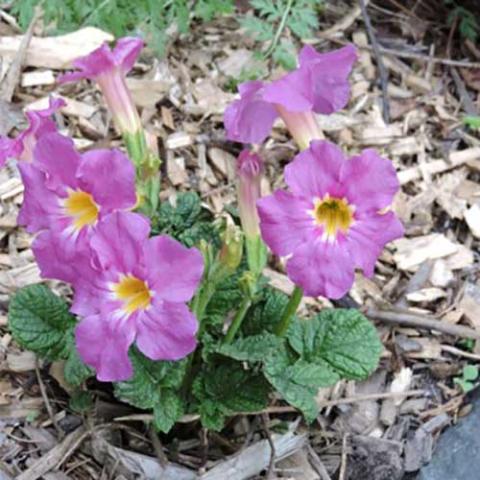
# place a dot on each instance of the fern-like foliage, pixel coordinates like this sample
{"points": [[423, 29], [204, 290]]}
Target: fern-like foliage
{"points": [[149, 18], [300, 17]]}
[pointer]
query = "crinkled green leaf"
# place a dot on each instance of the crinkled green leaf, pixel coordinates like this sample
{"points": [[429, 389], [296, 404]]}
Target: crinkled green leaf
{"points": [[256, 348], [75, 371], [81, 401], [226, 298], [342, 338], [168, 409], [228, 388], [187, 220], [150, 378], [299, 382], [40, 321], [266, 313]]}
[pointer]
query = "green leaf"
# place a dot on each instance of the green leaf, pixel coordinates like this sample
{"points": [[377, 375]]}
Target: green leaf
{"points": [[228, 388], [168, 409], [150, 379], [342, 338], [470, 372], [187, 221], [299, 383], [81, 401], [256, 348], [472, 121], [285, 55], [40, 321], [75, 371], [266, 313]]}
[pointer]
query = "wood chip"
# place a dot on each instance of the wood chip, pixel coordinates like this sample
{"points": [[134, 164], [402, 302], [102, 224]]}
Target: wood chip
{"points": [[412, 252], [37, 78], [472, 217], [429, 294], [56, 52]]}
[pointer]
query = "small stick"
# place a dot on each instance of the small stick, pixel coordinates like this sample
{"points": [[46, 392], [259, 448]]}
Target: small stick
{"points": [[378, 57], [271, 465], [460, 353], [46, 400], [412, 55], [145, 417], [343, 464], [157, 447], [420, 321], [12, 77]]}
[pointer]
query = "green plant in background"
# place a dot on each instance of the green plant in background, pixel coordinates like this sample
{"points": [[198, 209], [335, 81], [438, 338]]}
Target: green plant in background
{"points": [[466, 381], [468, 25], [151, 18], [472, 121], [270, 20]]}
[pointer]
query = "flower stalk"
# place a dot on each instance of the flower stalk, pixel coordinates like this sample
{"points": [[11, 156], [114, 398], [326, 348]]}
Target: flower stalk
{"points": [[289, 312]]}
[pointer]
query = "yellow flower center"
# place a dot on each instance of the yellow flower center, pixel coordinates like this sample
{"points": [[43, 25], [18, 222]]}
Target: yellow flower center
{"points": [[82, 208], [333, 214], [134, 294]]}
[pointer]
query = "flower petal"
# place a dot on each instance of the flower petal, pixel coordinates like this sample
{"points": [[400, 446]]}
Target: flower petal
{"points": [[174, 271], [328, 75], [370, 181], [109, 176], [118, 240], [56, 156], [285, 222], [249, 119], [54, 261], [293, 91], [322, 268], [39, 203], [126, 52], [95, 63], [103, 345], [367, 237], [316, 171], [166, 331]]}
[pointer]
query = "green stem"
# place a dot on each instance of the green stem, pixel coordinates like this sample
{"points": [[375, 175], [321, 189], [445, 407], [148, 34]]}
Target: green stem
{"points": [[237, 320], [289, 311], [280, 28]]}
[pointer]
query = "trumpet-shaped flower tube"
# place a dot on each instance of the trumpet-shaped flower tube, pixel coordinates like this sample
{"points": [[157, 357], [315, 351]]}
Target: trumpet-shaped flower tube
{"points": [[108, 68], [249, 170], [319, 85], [333, 219], [136, 291]]}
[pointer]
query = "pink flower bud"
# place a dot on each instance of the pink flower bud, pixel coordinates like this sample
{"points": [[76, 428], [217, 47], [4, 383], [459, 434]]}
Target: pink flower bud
{"points": [[249, 169]]}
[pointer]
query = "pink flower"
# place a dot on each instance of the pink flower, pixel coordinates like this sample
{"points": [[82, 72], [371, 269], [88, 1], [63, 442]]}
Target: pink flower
{"points": [[332, 220], [108, 68], [136, 292], [319, 84], [39, 123], [69, 193]]}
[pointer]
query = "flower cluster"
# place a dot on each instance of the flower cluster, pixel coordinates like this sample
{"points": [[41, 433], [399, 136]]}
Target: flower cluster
{"points": [[334, 218], [129, 287], [318, 85]]}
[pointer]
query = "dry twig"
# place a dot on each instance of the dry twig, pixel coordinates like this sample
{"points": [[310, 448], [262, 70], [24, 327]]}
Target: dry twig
{"points": [[378, 57], [421, 321]]}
